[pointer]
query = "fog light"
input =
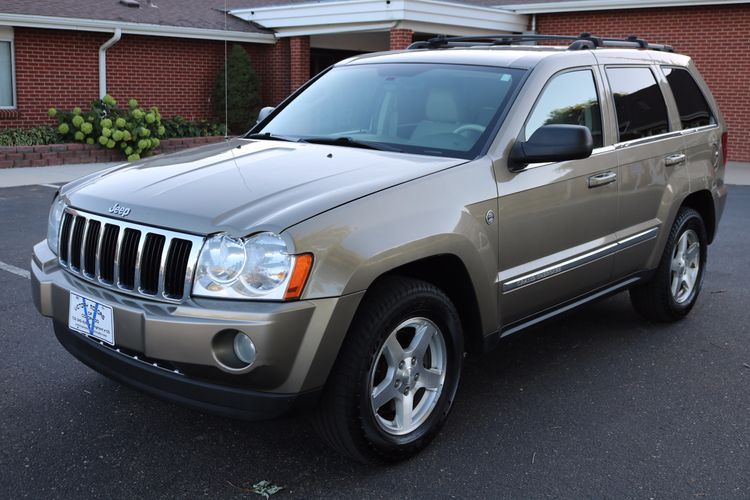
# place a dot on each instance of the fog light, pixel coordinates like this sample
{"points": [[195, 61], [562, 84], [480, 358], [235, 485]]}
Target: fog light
{"points": [[244, 348]]}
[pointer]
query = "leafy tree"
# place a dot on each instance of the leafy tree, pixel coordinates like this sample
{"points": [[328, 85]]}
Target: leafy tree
{"points": [[242, 92]]}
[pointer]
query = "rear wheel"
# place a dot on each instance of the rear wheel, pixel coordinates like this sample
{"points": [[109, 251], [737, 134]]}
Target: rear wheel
{"points": [[397, 373], [674, 289]]}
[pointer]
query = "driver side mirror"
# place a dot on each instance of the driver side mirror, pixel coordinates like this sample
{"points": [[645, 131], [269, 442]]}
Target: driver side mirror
{"points": [[551, 143], [263, 114]]}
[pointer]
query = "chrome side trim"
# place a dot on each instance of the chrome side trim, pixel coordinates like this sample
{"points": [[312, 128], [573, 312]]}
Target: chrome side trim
{"points": [[648, 140], [694, 130], [581, 260], [551, 314]]}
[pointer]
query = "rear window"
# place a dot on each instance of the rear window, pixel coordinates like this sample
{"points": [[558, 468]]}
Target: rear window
{"points": [[691, 103], [639, 103]]}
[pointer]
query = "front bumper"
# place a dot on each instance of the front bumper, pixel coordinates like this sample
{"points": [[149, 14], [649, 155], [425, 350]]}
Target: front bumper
{"points": [[201, 395], [168, 349]]}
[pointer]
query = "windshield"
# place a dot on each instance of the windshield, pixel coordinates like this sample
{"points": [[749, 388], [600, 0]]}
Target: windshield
{"points": [[432, 109]]}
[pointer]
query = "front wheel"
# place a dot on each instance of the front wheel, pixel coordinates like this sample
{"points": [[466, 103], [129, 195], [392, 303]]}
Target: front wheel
{"points": [[396, 375], [674, 288]]}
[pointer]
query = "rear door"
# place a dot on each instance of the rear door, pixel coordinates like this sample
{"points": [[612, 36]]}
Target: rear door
{"points": [[650, 151], [700, 130], [557, 220]]}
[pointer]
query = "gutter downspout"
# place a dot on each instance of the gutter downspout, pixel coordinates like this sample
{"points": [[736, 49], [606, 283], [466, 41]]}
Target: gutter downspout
{"points": [[103, 61]]}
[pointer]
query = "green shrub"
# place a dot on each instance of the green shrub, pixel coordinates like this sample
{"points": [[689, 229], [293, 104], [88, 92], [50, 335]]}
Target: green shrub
{"points": [[36, 136], [180, 127], [133, 130], [242, 92]]}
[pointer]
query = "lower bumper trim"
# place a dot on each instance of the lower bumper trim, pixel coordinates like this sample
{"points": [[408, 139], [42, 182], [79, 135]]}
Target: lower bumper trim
{"points": [[199, 395]]}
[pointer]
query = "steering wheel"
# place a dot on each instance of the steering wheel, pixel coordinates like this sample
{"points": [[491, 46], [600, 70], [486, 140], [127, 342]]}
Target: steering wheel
{"points": [[473, 127]]}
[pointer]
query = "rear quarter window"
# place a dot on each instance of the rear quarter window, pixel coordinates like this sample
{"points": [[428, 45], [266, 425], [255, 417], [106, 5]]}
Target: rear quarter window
{"points": [[691, 103], [639, 103]]}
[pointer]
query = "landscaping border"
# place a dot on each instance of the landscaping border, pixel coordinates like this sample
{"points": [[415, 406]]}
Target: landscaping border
{"points": [[59, 154]]}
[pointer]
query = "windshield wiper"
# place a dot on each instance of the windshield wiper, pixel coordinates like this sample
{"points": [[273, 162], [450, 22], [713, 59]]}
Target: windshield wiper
{"points": [[348, 141], [273, 137]]}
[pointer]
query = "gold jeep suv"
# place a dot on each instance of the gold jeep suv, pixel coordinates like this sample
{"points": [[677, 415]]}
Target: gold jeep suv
{"points": [[399, 210]]}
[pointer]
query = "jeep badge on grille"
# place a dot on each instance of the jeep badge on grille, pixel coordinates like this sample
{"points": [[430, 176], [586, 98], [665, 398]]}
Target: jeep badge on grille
{"points": [[117, 209]]}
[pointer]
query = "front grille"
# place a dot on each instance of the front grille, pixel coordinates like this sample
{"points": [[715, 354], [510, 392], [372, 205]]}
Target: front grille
{"points": [[132, 258]]}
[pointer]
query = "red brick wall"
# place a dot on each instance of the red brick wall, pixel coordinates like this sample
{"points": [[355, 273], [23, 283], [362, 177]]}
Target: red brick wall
{"points": [[703, 33], [400, 38], [299, 61], [53, 68], [175, 74], [56, 68]]}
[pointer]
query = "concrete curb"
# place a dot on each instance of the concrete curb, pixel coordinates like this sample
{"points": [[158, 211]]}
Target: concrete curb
{"points": [[58, 174]]}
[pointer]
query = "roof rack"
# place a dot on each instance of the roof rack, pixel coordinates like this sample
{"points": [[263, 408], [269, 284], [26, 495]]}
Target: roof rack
{"points": [[584, 41]]}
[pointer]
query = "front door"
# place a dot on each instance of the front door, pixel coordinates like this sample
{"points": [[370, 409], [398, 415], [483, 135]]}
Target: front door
{"points": [[557, 221]]}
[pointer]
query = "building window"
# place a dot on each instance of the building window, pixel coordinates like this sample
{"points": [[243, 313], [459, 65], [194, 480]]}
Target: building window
{"points": [[7, 94]]}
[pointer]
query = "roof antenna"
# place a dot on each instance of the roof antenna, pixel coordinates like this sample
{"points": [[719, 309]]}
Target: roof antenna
{"points": [[226, 78]]}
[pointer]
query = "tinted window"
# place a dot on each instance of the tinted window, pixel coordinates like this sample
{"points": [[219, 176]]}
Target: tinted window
{"points": [[639, 103], [570, 98], [692, 105]]}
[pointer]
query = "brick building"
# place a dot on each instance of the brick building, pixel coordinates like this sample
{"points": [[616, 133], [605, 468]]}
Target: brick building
{"points": [[65, 53]]}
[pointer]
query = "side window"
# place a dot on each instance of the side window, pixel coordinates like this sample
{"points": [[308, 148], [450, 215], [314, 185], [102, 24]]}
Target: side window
{"points": [[569, 98], [639, 103], [691, 103]]}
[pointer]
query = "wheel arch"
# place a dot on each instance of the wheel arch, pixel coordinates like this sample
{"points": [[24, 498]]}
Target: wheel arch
{"points": [[703, 203], [454, 280]]}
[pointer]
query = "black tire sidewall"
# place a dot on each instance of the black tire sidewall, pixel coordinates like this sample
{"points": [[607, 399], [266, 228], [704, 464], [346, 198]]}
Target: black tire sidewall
{"points": [[690, 219], [439, 310]]}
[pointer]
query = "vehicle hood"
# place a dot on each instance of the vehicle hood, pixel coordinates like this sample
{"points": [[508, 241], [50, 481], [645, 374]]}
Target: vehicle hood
{"points": [[242, 186]]}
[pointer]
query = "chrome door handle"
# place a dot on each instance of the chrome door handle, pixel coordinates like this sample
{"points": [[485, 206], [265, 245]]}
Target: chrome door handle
{"points": [[674, 159], [602, 179]]}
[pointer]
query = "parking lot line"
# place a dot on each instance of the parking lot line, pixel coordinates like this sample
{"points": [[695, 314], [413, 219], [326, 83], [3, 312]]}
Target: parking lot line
{"points": [[15, 270], [53, 186]]}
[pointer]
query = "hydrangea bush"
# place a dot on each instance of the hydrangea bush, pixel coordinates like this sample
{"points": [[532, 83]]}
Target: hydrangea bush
{"points": [[133, 130]]}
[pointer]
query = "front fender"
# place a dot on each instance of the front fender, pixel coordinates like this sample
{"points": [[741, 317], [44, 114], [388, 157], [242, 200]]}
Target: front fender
{"points": [[439, 214]]}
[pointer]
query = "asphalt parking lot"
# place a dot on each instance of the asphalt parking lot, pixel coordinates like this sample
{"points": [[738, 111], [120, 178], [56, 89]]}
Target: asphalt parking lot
{"points": [[598, 404]]}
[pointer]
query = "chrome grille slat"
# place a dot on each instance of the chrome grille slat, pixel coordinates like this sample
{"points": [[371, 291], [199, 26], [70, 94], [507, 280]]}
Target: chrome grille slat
{"points": [[76, 240], [90, 245], [98, 262], [163, 266], [145, 254], [84, 239], [139, 262], [108, 254], [64, 243], [118, 248]]}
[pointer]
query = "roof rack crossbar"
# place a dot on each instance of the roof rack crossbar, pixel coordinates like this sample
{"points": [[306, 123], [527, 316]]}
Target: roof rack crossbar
{"points": [[583, 41]]}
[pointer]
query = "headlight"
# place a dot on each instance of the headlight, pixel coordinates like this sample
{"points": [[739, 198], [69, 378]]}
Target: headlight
{"points": [[53, 223], [258, 267]]}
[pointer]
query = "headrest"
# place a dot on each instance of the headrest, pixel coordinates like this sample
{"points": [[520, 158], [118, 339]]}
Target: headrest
{"points": [[441, 106]]}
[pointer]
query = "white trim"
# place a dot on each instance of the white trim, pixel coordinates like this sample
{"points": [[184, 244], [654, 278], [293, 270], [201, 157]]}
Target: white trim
{"points": [[77, 24], [341, 16], [103, 61], [589, 5], [332, 30], [7, 35]]}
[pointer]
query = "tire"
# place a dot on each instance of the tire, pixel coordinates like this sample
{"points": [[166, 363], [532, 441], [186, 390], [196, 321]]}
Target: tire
{"points": [[673, 290], [396, 313]]}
